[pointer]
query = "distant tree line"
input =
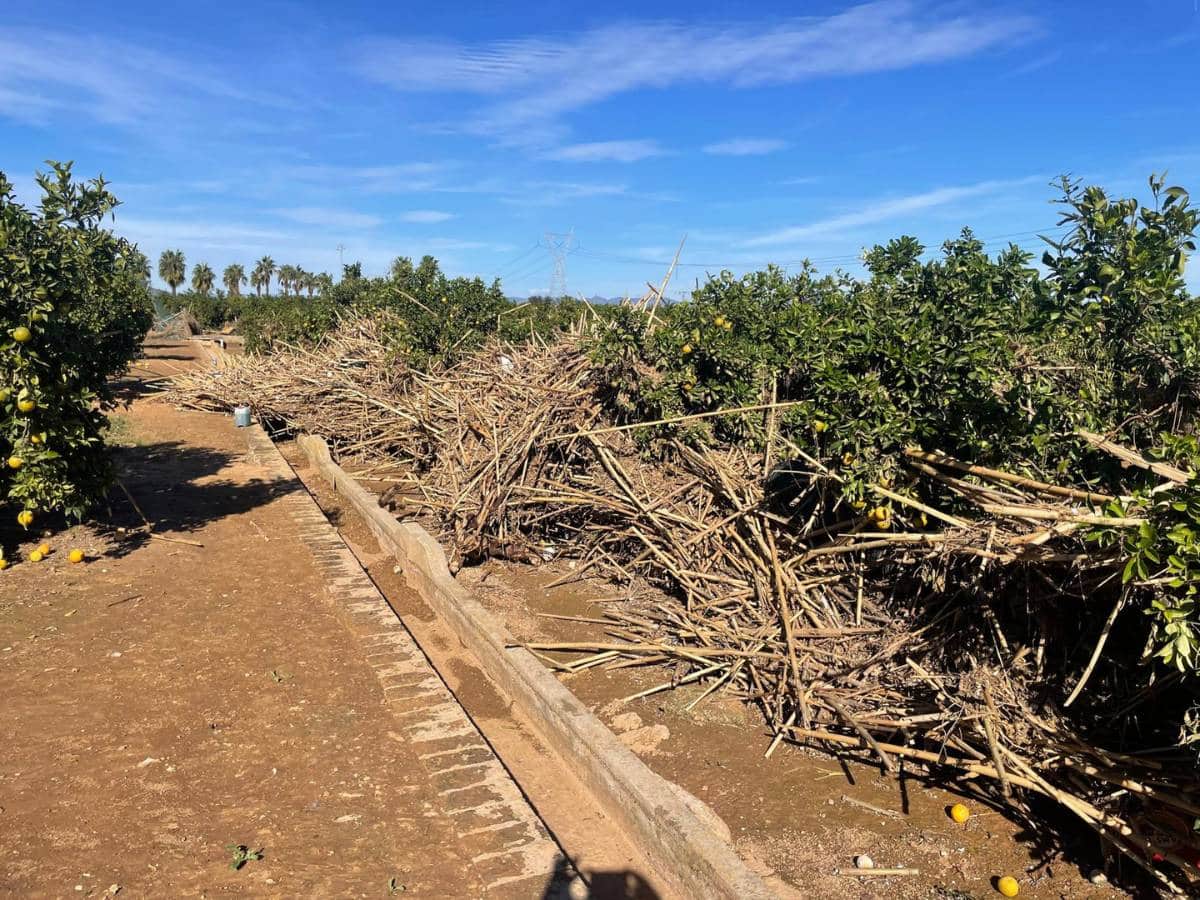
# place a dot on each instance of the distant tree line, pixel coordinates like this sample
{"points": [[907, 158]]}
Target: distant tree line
{"points": [[292, 280]]}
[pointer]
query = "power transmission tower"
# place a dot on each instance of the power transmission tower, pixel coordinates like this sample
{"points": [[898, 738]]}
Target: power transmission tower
{"points": [[559, 244]]}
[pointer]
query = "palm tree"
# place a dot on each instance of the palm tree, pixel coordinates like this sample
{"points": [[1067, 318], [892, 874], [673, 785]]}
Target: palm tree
{"points": [[140, 263], [172, 268], [261, 276], [234, 277], [295, 278], [202, 278], [310, 283], [285, 279]]}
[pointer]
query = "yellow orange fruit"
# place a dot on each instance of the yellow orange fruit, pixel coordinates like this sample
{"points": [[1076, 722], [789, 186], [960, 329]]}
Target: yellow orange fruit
{"points": [[687, 348], [3, 564], [959, 813], [819, 427], [26, 406], [36, 556], [21, 334], [727, 325], [75, 556], [25, 518], [1008, 886], [35, 439], [44, 549], [15, 462]]}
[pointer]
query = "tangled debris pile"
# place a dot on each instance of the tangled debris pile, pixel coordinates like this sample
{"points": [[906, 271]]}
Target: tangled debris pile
{"points": [[982, 642]]}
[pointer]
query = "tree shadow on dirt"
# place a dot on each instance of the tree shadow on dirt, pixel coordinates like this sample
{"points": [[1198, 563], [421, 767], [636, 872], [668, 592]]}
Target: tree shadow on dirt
{"points": [[173, 486], [612, 885], [134, 387]]}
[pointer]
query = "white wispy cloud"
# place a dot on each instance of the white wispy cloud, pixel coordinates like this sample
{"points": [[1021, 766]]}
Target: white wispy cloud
{"points": [[329, 218], [529, 83], [745, 147], [606, 151], [885, 210], [44, 72], [159, 233], [426, 216], [382, 179], [453, 244]]}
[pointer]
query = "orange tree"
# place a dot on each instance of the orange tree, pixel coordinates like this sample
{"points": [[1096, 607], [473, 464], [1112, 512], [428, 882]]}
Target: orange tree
{"points": [[983, 357], [74, 307]]}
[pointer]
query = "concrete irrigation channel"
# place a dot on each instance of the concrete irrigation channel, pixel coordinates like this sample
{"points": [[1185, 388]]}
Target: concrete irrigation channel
{"points": [[676, 835]]}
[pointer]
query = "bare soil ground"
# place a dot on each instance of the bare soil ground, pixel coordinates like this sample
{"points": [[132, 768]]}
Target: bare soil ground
{"points": [[165, 701]]}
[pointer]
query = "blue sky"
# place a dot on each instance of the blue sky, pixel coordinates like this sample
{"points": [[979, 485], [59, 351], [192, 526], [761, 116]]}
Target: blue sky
{"points": [[469, 130]]}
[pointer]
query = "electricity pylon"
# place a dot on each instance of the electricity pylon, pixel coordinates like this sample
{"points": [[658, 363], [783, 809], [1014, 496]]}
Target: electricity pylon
{"points": [[559, 244]]}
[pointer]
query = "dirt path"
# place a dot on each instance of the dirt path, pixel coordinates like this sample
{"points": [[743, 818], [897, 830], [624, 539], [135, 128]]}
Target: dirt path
{"points": [[166, 701]]}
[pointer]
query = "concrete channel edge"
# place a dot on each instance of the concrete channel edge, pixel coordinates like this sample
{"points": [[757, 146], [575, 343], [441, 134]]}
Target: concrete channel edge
{"points": [[685, 850]]}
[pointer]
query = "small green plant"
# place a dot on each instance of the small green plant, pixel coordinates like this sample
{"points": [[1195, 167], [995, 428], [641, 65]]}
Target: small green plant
{"points": [[240, 854]]}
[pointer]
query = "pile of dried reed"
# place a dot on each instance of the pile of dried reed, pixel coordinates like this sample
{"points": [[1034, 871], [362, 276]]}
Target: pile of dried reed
{"points": [[983, 647]]}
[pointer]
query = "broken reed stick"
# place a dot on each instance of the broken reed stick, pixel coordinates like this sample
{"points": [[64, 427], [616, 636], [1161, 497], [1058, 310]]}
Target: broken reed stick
{"points": [[950, 462], [134, 504], [993, 745], [659, 292], [875, 873], [1134, 459], [871, 807], [1098, 649], [916, 504], [672, 420], [1061, 515], [155, 536], [697, 653], [867, 737]]}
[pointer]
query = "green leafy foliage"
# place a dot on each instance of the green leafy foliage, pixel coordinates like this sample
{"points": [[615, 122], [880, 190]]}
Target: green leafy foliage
{"points": [[1161, 557], [268, 321], [74, 307], [1115, 311], [977, 356], [438, 318], [433, 319]]}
